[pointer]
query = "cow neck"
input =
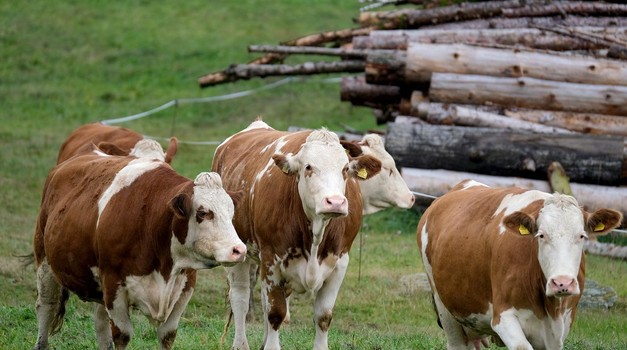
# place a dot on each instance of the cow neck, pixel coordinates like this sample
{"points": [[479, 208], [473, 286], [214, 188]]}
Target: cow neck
{"points": [[318, 225]]}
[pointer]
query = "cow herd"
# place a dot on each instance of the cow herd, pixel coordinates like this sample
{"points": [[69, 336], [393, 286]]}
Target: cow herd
{"points": [[119, 227]]}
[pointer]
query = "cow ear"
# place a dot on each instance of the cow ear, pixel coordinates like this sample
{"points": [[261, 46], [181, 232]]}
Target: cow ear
{"points": [[285, 163], [521, 223], [352, 149], [236, 197], [111, 149], [181, 205], [603, 221], [364, 167], [171, 151]]}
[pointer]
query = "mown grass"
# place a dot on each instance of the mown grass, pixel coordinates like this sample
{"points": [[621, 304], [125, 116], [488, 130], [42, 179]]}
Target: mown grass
{"points": [[66, 63]]}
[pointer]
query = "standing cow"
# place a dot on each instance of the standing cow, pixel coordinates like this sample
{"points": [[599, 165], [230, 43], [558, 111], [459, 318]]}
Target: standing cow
{"points": [[126, 232], [300, 213], [110, 139], [507, 263]]}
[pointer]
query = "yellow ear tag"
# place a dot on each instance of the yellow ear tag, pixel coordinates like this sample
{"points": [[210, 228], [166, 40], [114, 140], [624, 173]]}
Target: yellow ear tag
{"points": [[347, 152], [363, 173], [285, 169], [523, 230], [599, 227]]}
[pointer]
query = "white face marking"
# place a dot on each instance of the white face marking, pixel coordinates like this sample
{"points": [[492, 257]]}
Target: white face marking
{"points": [[124, 178], [213, 238], [387, 188], [148, 148], [516, 202]]}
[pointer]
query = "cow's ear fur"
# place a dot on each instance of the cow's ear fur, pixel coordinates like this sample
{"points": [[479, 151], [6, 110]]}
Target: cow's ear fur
{"points": [[236, 197], [181, 205], [353, 149], [521, 223], [364, 167], [603, 221], [111, 149], [285, 163], [171, 151]]}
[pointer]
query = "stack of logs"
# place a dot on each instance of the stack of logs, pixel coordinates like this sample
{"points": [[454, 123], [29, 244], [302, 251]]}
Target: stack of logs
{"points": [[499, 88]]}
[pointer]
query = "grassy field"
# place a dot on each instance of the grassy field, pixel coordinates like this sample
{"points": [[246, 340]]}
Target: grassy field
{"points": [[66, 63]]}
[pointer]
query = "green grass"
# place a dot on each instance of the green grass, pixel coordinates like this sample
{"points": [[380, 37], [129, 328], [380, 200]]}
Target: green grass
{"points": [[66, 63]]}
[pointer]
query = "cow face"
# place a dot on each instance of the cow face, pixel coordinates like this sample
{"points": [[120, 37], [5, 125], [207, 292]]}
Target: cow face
{"points": [[561, 230], [386, 189], [322, 167], [211, 237]]}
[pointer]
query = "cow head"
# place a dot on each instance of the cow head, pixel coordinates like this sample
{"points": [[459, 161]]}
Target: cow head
{"points": [[210, 238], [148, 148], [561, 229], [322, 167], [387, 188]]}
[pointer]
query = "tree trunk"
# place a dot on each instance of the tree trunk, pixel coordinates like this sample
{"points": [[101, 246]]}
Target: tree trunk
{"points": [[528, 37], [443, 114], [421, 60], [438, 182], [587, 158], [587, 123], [528, 93], [530, 22]]}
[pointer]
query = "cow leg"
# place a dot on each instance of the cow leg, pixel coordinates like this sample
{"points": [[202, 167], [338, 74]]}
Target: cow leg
{"points": [[103, 327], [239, 289], [510, 331], [254, 275], [121, 326], [50, 304], [274, 309], [325, 301], [167, 330], [455, 335]]}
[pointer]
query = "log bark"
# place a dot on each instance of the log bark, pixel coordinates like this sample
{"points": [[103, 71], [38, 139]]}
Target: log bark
{"points": [[438, 182], [359, 93], [442, 114], [587, 123], [530, 22], [411, 18], [528, 37], [587, 158], [421, 60], [248, 71], [528, 93], [617, 50]]}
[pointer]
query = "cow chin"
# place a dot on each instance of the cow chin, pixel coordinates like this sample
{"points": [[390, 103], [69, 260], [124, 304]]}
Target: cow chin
{"points": [[333, 214]]}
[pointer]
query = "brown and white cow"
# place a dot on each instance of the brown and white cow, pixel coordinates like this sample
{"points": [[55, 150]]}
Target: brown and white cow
{"points": [[110, 139], [507, 263], [127, 232], [300, 213]]}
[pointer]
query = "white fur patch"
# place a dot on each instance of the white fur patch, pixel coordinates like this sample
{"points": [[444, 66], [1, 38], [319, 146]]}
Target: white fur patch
{"points": [[516, 202]]}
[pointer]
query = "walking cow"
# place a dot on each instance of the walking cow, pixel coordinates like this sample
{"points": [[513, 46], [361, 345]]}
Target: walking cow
{"points": [[125, 232], [507, 263], [300, 214]]}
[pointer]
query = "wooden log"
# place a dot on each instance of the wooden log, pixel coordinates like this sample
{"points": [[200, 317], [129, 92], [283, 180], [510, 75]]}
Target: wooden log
{"points": [[412, 18], [530, 22], [437, 182], [459, 115], [421, 60], [596, 159], [528, 93], [359, 93], [617, 49], [588, 123], [528, 37]]}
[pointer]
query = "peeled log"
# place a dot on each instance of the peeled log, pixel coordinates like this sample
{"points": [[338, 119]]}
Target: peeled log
{"points": [[595, 159], [528, 93], [438, 182], [421, 60], [527, 37]]}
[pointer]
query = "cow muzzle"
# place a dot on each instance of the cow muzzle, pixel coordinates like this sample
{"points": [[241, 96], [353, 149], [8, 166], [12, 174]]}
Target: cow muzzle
{"points": [[334, 206], [562, 286]]}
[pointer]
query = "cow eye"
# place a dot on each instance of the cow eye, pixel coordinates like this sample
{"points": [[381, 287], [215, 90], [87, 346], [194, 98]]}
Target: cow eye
{"points": [[540, 235], [308, 167], [202, 215], [583, 236]]}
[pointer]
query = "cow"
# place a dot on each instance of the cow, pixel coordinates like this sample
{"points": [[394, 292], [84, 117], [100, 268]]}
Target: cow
{"points": [[383, 190], [110, 139], [127, 232], [507, 263], [300, 212]]}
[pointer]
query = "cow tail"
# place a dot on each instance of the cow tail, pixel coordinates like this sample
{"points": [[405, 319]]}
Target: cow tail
{"points": [[57, 322]]}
